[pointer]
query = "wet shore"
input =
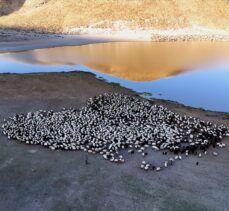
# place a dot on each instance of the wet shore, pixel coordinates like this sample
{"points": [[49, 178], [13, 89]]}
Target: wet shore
{"points": [[63, 176], [18, 40]]}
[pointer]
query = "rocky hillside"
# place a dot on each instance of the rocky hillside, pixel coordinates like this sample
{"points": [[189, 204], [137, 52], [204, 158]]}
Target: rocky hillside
{"points": [[114, 15]]}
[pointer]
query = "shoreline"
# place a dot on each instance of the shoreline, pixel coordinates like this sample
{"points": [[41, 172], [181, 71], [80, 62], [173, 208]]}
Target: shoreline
{"points": [[171, 104], [194, 33], [33, 177], [14, 41], [22, 42], [180, 108], [26, 41], [19, 40]]}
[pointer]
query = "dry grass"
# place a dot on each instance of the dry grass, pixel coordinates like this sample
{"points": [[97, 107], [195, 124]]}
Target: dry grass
{"points": [[56, 15]]}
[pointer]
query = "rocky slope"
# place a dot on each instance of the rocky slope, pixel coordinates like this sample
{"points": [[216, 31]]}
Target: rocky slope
{"points": [[161, 18]]}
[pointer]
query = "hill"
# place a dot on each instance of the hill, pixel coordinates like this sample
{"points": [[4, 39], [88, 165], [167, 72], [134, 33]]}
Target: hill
{"points": [[110, 16]]}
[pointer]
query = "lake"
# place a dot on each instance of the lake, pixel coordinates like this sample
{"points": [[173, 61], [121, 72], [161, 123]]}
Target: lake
{"points": [[192, 73]]}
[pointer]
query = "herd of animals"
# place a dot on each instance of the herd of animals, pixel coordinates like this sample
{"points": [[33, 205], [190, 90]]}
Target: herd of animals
{"points": [[113, 123]]}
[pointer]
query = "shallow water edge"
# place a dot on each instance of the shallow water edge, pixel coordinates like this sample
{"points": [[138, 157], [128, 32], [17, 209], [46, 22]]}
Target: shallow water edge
{"points": [[57, 85], [194, 74]]}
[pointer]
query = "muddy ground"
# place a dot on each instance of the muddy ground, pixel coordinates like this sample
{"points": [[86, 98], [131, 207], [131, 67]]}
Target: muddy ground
{"points": [[35, 178]]}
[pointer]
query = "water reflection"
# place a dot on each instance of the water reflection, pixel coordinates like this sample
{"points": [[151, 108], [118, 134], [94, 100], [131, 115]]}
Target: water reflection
{"points": [[204, 81], [138, 61]]}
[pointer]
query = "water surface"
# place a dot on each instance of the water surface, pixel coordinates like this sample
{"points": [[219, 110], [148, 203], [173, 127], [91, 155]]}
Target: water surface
{"points": [[192, 73]]}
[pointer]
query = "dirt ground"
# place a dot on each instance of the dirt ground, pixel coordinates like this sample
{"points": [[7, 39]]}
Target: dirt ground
{"points": [[35, 178], [19, 40]]}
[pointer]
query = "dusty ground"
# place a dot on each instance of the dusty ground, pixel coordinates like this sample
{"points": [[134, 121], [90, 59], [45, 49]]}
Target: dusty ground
{"points": [[17, 40], [35, 178], [19, 35]]}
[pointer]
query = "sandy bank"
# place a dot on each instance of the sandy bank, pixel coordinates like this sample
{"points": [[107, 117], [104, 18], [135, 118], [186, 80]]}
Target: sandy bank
{"points": [[12, 40], [194, 33]]}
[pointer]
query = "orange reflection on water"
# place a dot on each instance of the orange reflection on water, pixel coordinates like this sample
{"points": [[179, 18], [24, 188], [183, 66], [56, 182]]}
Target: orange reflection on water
{"points": [[138, 61]]}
